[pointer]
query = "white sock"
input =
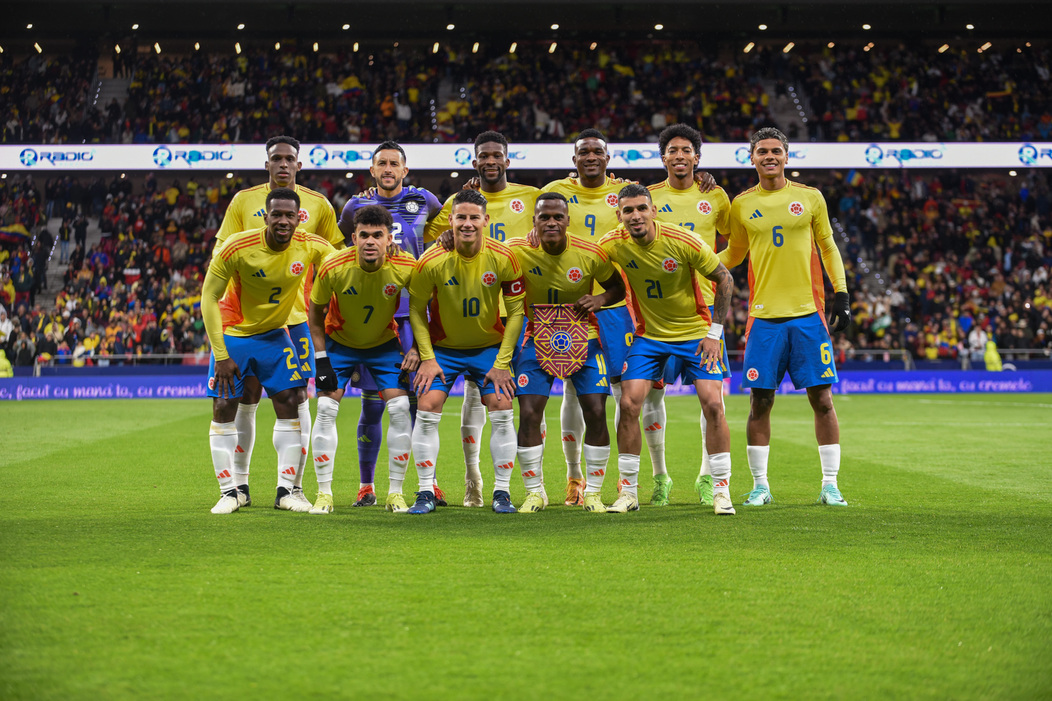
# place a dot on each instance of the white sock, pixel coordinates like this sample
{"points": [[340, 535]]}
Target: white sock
{"points": [[304, 413], [830, 457], [595, 459], [399, 442], [290, 450], [425, 448], [530, 463], [653, 417], [222, 439], [472, 421], [324, 441], [721, 473], [246, 440], [615, 394], [758, 464], [628, 473], [706, 468], [502, 447], [572, 419]]}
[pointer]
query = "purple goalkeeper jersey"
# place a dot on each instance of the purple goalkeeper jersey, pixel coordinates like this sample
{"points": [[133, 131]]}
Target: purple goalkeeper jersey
{"points": [[411, 209]]}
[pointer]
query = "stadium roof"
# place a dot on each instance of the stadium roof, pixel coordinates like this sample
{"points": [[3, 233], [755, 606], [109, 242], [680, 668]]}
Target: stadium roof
{"points": [[479, 20]]}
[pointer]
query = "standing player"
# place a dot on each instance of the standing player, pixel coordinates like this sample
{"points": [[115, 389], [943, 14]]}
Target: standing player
{"points": [[359, 289], [592, 198], [267, 267], [660, 262], [316, 216], [510, 210], [561, 271], [678, 201], [784, 227], [462, 288], [410, 208]]}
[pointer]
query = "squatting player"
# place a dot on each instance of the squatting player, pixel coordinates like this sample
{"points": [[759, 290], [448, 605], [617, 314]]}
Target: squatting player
{"points": [[678, 201], [562, 271], [461, 289], [411, 208], [510, 210], [660, 262], [359, 291], [784, 227], [316, 216], [268, 266]]}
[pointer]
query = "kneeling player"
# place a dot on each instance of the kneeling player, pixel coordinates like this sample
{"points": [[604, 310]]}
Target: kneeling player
{"points": [[660, 262], [359, 289], [559, 275]]}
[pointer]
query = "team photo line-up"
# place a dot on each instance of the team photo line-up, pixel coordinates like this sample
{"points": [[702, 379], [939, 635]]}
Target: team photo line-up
{"points": [[613, 287]]}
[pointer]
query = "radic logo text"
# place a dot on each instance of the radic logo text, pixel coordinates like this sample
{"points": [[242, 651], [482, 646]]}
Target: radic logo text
{"points": [[31, 157], [164, 156]]}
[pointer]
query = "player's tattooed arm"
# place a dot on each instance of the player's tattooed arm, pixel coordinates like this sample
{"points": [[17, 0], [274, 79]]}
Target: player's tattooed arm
{"points": [[411, 360], [724, 292]]}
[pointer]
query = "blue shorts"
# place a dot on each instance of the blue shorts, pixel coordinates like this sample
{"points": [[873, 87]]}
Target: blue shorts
{"points": [[361, 377], [269, 357], [472, 363], [647, 359], [616, 333], [382, 362], [590, 379], [300, 335], [800, 345], [674, 366]]}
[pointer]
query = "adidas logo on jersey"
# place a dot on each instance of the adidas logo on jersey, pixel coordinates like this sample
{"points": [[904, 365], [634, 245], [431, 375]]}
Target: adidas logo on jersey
{"points": [[632, 264], [296, 376], [666, 208], [828, 374], [452, 281], [755, 215], [536, 270], [350, 291], [573, 200], [260, 213], [259, 274]]}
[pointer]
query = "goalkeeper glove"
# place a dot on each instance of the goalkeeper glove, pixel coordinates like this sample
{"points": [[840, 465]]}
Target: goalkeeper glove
{"points": [[325, 376], [841, 315]]}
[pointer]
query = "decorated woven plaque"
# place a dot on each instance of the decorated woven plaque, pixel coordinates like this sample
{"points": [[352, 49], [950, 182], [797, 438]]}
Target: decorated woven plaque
{"points": [[560, 337]]}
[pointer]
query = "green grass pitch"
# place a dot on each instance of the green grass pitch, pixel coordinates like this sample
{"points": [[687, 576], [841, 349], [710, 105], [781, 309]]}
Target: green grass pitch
{"points": [[936, 583]]}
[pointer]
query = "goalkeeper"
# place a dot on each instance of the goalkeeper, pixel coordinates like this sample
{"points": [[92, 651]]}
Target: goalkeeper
{"points": [[784, 227], [563, 340]]}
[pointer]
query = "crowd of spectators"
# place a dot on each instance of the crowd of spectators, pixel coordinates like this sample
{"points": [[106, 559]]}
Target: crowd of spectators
{"points": [[629, 90], [962, 259]]}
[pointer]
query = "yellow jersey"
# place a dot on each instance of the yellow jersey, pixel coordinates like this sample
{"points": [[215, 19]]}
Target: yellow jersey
{"points": [[593, 210], [264, 282], [245, 213], [510, 213], [704, 213], [362, 304], [561, 279], [463, 298], [666, 299], [787, 235]]}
